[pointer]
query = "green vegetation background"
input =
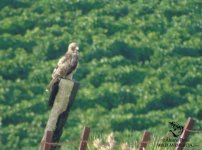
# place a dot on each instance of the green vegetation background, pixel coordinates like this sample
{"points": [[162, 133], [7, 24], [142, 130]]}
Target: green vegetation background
{"points": [[140, 66]]}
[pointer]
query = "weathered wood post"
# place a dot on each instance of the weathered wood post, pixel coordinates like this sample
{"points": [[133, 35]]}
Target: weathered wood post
{"points": [[184, 136], [61, 108], [84, 138], [144, 141]]}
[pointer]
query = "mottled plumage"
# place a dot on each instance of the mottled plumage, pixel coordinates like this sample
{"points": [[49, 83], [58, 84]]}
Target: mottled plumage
{"points": [[66, 65]]}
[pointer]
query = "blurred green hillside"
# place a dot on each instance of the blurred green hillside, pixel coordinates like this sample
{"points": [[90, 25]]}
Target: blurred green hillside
{"points": [[140, 66]]}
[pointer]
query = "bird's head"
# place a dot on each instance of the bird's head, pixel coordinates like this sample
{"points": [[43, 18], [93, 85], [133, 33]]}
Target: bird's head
{"points": [[73, 48]]}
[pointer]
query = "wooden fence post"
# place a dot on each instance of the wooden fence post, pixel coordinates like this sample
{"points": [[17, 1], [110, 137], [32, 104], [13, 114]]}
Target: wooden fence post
{"points": [[145, 140], [63, 99], [184, 136], [48, 139], [84, 138]]}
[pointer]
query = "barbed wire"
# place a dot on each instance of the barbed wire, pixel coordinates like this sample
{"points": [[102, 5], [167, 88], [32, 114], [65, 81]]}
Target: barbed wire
{"points": [[65, 143], [193, 131], [85, 141]]}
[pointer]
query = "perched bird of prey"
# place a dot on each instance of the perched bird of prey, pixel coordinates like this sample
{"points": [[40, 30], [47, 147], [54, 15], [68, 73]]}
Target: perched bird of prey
{"points": [[64, 69]]}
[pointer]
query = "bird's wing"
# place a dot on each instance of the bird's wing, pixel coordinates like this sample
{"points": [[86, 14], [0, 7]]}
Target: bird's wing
{"points": [[73, 64], [57, 70], [53, 85]]}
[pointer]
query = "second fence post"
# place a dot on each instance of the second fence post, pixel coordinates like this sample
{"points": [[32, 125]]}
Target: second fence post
{"points": [[84, 138], [48, 139], [145, 140], [184, 136]]}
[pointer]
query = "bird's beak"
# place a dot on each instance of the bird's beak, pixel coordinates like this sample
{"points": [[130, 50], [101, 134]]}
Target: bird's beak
{"points": [[77, 48]]}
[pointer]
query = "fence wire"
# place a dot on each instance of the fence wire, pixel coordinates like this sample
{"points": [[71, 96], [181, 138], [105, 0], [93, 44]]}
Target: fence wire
{"points": [[86, 141]]}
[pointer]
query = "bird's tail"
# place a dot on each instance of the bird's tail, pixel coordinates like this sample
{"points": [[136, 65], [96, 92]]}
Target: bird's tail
{"points": [[53, 92], [50, 85]]}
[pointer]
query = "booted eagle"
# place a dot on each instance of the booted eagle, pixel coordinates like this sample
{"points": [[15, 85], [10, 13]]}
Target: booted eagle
{"points": [[64, 69]]}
